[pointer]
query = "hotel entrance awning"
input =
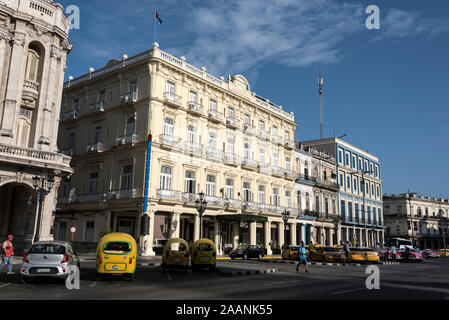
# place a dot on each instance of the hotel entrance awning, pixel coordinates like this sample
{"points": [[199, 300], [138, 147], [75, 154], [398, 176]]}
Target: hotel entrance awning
{"points": [[226, 218]]}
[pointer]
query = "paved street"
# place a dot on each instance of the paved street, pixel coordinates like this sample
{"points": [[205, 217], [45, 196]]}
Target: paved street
{"points": [[427, 280]]}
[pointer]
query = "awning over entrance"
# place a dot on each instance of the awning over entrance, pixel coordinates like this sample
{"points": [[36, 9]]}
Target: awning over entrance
{"points": [[226, 218]]}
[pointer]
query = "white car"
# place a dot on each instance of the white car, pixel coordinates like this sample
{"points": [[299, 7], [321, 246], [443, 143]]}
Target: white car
{"points": [[49, 259]]}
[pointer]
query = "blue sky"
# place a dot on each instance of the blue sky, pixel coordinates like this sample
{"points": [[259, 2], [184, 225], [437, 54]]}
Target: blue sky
{"points": [[387, 89]]}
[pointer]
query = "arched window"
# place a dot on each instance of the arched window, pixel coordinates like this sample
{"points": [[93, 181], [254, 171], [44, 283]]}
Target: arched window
{"points": [[168, 127], [247, 192], [33, 63], [166, 178]]}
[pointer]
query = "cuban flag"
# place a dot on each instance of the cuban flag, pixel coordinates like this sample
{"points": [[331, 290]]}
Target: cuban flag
{"points": [[158, 18]]}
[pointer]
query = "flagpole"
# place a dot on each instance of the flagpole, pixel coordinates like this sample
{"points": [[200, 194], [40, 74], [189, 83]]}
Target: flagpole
{"points": [[155, 39]]}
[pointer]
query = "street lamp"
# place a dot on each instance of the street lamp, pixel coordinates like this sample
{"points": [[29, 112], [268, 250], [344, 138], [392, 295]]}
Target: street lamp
{"points": [[200, 205], [440, 212], [285, 216], [43, 185]]}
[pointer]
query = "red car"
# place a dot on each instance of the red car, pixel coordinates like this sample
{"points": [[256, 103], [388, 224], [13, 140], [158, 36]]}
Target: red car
{"points": [[429, 253], [414, 255], [390, 255]]}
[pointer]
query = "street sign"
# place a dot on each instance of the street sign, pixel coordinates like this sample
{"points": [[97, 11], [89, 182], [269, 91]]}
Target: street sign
{"points": [[72, 229]]}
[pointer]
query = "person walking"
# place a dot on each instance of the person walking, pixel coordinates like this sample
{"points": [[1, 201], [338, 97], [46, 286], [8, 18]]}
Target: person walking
{"points": [[393, 252], [302, 257], [378, 249], [346, 248], [8, 254], [387, 251], [311, 249]]}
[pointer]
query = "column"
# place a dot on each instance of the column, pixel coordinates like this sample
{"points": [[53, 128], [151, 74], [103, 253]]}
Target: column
{"points": [[267, 237], [303, 233], [312, 233], [108, 219], [3, 45], [14, 85], [252, 233], [7, 212], [338, 230], [217, 238], [281, 233], [235, 235], [175, 225], [293, 233], [196, 227], [366, 244]]}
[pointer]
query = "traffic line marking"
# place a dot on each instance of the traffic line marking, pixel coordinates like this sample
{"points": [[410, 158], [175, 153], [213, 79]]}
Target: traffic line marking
{"points": [[5, 285], [169, 277], [93, 284], [277, 283], [348, 291]]}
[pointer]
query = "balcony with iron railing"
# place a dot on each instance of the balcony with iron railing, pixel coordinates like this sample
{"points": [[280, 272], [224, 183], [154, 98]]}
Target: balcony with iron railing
{"points": [[97, 107], [249, 129], [231, 159], [290, 174], [90, 198], [169, 195], [264, 168], [277, 171], [263, 134], [289, 144], [232, 204], [213, 154], [232, 122], [249, 164], [169, 141], [195, 108], [306, 177], [189, 197], [129, 97], [122, 194], [69, 115], [71, 152], [214, 201], [329, 184], [96, 147], [276, 139], [191, 147], [250, 206], [127, 139], [172, 100], [214, 115]]}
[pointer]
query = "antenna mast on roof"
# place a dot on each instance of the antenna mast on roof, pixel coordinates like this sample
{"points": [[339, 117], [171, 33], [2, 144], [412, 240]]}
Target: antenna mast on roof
{"points": [[320, 92]]}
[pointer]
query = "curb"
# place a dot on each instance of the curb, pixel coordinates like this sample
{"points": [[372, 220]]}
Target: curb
{"points": [[246, 273], [315, 263]]}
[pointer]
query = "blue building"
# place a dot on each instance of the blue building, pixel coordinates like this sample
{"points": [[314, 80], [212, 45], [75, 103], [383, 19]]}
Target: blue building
{"points": [[360, 196]]}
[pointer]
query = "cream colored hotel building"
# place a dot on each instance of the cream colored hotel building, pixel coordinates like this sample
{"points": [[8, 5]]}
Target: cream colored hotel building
{"points": [[211, 135]]}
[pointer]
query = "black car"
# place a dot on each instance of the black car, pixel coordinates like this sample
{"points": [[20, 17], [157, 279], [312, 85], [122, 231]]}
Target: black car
{"points": [[247, 252]]}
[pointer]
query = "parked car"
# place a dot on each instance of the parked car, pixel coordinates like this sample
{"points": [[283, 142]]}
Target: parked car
{"points": [[371, 255], [328, 254], [49, 259], [363, 255], [247, 252], [429, 253], [176, 255], [443, 252], [290, 252]]}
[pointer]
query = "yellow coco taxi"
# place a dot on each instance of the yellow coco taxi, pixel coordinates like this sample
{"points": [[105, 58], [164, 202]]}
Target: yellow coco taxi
{"points": [[204, 254], [176, 255], [328, 254], [117, 255], [443, 252], [290, 252], [371, 255]]}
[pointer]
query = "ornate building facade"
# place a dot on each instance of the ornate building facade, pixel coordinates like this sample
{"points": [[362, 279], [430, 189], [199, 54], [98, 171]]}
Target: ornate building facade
{"points": [[209, 135], [424, 220], [33, 48]]}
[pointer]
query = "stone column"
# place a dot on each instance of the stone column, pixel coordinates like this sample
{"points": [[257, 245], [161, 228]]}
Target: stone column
{"points": [[196, 227], [293, 233], [252, 233], [3, 46], [107, 214], [13, 88], [235, 235], [366, 244], [312, 233], [338, 230], [217, 238], [281, 233], [7, 211], [267, 237]]}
